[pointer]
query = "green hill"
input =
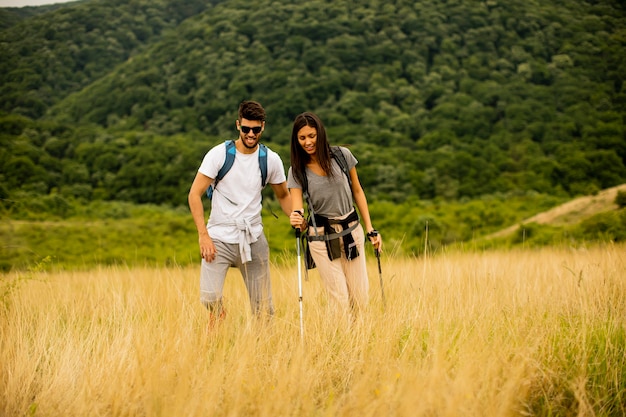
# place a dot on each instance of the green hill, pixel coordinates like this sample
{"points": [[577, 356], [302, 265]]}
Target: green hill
{"points": [[572, 212], [439, 99], [468, 117]]}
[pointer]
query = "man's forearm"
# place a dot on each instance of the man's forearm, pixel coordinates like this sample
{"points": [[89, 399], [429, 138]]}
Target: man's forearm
{"points": [[197, 212], [285, 204]]}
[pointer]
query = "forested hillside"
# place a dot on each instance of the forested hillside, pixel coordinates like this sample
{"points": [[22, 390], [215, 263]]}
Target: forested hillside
{"points": [[119, 100]]}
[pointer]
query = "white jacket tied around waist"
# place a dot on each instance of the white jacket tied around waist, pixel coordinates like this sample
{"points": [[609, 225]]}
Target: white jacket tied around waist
{"points": [[246, 235]]}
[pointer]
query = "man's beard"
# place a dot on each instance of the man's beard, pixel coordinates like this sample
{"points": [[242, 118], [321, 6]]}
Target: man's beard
{"points": [[245, 143]]}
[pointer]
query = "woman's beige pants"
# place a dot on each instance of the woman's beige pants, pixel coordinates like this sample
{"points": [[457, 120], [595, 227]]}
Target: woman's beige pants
{"points": [[346, 282]]}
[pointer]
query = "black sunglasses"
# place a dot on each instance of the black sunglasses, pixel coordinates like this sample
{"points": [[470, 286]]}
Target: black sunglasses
{"points": [[256, 129]]}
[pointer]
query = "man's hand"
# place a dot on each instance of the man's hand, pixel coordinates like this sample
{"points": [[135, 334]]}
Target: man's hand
{"points": [[207, 248]]}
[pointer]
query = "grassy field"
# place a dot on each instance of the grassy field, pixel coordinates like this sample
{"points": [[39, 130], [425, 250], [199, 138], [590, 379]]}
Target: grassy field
{"points": [[504, 333]]}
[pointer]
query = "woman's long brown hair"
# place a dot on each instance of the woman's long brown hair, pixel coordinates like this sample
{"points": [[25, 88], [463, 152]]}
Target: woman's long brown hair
{"points": [[299, 158]]}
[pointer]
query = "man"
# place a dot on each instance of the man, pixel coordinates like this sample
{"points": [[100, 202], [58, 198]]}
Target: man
{"points": [[233, 236]]}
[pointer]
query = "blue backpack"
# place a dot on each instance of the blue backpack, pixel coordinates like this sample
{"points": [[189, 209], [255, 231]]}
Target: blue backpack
{"points": [[231, 151]]}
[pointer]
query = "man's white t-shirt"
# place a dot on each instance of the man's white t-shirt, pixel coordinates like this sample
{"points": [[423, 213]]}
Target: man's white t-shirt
{"points": [[237, 196]]}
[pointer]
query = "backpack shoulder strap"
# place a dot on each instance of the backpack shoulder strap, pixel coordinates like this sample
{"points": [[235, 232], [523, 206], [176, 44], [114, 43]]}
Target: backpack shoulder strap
{"points": [[263, 163], [336, 153], [231, 151]]}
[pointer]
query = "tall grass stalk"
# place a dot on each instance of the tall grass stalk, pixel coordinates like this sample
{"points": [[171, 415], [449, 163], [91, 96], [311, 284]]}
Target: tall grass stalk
{"points": [[514, 333]]}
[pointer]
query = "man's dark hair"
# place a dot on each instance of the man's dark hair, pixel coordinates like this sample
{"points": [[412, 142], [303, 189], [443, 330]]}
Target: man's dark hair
{"points": [[251, 110]]}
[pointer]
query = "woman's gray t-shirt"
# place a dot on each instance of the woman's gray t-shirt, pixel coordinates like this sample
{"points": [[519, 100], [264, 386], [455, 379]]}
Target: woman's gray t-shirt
{"points": [[330, 197]]}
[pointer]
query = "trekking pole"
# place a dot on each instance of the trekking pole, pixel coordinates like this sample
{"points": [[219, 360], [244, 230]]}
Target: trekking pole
{"points": [[374, 233], [300, 283], [380, 277]]}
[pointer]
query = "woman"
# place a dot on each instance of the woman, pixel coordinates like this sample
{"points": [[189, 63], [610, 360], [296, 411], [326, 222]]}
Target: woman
{"points": [[335, 237]]}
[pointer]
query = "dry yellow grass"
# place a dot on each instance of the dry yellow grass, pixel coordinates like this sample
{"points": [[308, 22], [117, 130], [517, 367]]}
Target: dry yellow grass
{"points": [[463, 334]]}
